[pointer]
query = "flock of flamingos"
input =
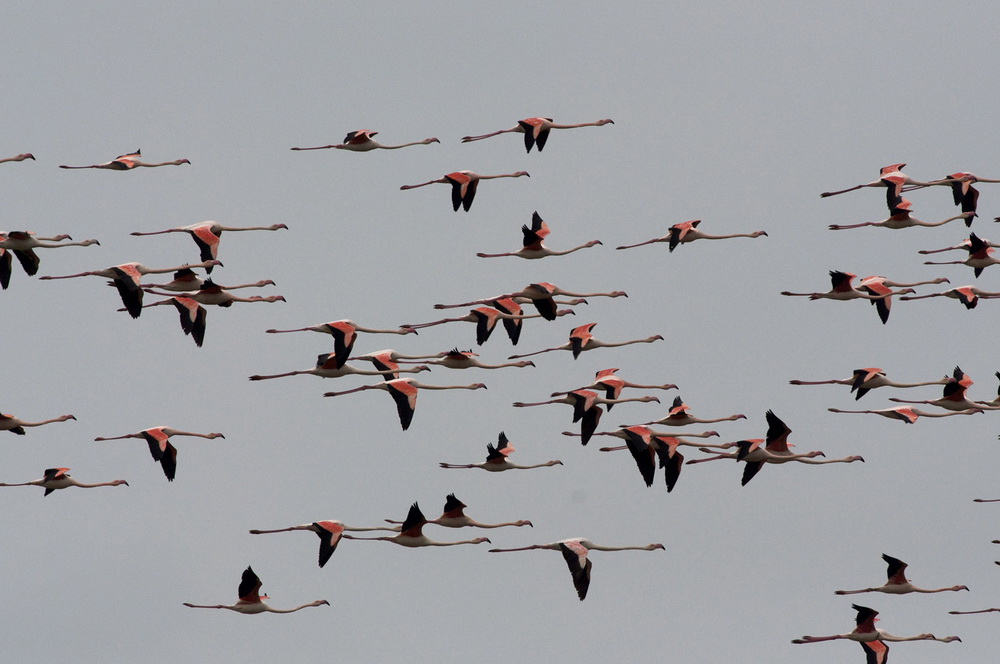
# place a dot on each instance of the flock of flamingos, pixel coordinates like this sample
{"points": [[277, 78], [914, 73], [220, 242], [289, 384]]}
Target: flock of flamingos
{"points": [[190, 293]]}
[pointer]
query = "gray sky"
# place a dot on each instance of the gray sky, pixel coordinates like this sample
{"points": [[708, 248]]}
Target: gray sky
{"points": [[735, 115]]}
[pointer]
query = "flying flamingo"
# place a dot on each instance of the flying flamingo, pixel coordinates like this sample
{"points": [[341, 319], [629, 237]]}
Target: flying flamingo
{"points": [[967, 295], [127, 162], [880, 286], [606, 380], [213, 294], [344, 333], [533, 244], [361, 141], [411, 533], [581, 339], [23, 243], [964, 244], [454, 517], [466, 359], [961, 613], [464, 185], [896, 583], [678, 416], [496, 458], [867, 634], [404, 392], [586, 408], [251, 601], [160, 447], [126, 278], [387, 360], [186, 281], [962, 191], [329, 535], [980, 256], [18, 157], [843, 289], [14, 425], [890, 177], [207, 234], [687, 231], [485, 319], [326, 367], [953, 395], [536, 130], [541, 294], [193, 316], [58, 478], [900, 218], [867, 379], [574, 551], [905, 414]]}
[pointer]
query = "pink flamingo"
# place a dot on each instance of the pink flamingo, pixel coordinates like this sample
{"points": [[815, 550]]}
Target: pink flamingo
{"points": [[586, 408], [326, 367], [344, 333], [962, 191], [678, 416], [967, 295], [900, 218], [193, 317], [964, 244], [404, 392], [843, 289], [890, 177], [687, 231], [160, 447], [361, 141], [905, 414], [23, 244], [186, 281], [454, 517], [896, 583], [126, 278], [485, 319], [541, 294], [207, 234], [534, 242], [18, 157], [411, 533], [213, 294], [464, 185], [466, 359], [980, 255], [536, 131], [867, 634], [864, 380], [953, 395], [581, 339], [882, 287], [58, 478], [574, 551], [127, 162], [329, 532], [606, 380], [251, 601], [496, 458], [15, 425]]}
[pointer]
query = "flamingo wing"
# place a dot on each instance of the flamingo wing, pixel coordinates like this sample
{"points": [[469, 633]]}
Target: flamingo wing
{"points": [[329, 537], [249, 590], [575, 555]]}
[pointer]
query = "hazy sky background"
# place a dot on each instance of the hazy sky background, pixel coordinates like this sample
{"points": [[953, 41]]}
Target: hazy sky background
{"points": [[734, 114]]}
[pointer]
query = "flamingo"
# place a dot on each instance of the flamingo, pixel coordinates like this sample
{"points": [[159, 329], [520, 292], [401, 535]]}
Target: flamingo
{"points": [[867, 633], [404, 392], [980, 255], [329, 532], [678, 416], [454, 517], [361, 141], [388, 360], [536, 131], [464, 185], [496, 458], [896, 583], [900, 218], [214, 294], [606, 380], [908, 415], [962, 191], [843, 289], [574, 551], [15, 425], [326, 367], [18, 157], [23, 243], [186, 281], [967, 295], [411, 535], [541, 294], [864, 380], [581, 339], [964, 244], [126, 278], [127, 162], [194, 317], [344, 333], [485, 319], [586, 408], [207, 234], [953, 395], [251, 601], [960, 613], [890, 177], [58, 478], [465, 359], [880, 286], [534, 242], [687, 231], [160, 447]]}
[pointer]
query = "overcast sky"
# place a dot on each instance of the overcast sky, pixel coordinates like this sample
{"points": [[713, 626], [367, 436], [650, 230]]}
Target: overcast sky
{"points": [[734, 114]]}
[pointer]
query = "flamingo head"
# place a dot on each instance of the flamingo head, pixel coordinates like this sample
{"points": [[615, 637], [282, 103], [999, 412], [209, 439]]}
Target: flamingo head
{"points": [[601, 123], [428, 141]]}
